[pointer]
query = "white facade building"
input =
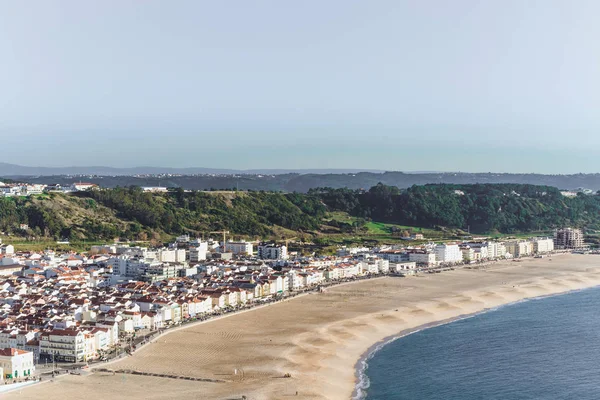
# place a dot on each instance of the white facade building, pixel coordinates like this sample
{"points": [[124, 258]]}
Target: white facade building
{"points": [[393, 256], [16, 363], [519, 248], [543, 245], [272, 252], [494, 249], [9, 191], [448, 253], [63, 345], [403, 266], [7, 249], [239, 248], [171, 256], [468, 253], [32, 189], [481, 250], [383, 265], [422, 258], [198, 252]]}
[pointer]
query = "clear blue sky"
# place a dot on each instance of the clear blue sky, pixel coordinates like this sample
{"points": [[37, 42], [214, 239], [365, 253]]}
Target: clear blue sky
{"points": [[399, 85]]}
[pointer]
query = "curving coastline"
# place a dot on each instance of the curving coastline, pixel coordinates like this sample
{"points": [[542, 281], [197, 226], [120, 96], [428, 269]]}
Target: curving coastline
{"points": [[320, 339], [362, 380]]}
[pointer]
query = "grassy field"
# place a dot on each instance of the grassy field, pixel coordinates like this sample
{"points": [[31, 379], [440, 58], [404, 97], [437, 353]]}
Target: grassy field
{"points": [[374, 231], [381, 228], [383, 232], [340, 217]]}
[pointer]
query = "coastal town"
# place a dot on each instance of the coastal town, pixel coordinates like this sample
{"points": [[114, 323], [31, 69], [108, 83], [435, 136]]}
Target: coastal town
{"points": [[311, 200], [91, 307]]}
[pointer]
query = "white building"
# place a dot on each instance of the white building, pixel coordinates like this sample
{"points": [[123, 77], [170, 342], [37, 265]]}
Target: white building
{"points": [[545, 245], [272, 252], [519, 248], [31, 189], [448, 253], [63, 345], [481, 250], [468, 253], [7, 249], [171, 256], [404, 266], [383, 266], [348, 251], [198, 252], [16, 363], [422, 258], [393, 256], [371, 268], [496, 250], [350, 270], [239, 248], [9, 191], [525, 248]]}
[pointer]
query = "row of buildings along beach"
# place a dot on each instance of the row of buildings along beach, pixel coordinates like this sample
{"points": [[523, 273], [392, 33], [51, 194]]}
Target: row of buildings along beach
{"points": [[79, 307]]}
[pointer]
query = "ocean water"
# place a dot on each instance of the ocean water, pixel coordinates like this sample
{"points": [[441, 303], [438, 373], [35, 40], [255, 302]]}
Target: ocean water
{"points": [[546, 348]]}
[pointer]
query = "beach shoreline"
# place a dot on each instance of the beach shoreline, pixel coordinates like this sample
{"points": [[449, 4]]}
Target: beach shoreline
{"points": [[361, 366], [320, 339], [362, 381]]}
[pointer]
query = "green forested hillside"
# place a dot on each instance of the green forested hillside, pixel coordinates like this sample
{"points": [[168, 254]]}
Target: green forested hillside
{"points": [[133, 214], [252, 213], [505, 208]]}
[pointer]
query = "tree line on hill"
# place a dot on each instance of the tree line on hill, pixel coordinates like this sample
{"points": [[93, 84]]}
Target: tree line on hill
{"points": [[129, 212], [482, 208]]}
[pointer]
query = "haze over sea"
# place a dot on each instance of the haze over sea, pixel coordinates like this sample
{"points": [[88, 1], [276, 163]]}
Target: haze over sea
{"points": [[546, 348]]}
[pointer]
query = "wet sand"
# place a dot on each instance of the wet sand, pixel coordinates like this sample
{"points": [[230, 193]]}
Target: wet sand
{"points": [[318, 338]]}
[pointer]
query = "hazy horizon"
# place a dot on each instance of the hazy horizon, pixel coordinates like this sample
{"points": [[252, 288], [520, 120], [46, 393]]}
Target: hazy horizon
{"points": [[392, 85], [167, 169]]}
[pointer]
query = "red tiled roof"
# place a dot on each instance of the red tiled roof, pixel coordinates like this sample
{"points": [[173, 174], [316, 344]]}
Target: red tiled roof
{"points": [[10, 352]]}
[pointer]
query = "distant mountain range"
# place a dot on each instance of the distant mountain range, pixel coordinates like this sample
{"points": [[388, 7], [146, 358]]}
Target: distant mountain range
{"points": [[278, 179], [20, 170]]}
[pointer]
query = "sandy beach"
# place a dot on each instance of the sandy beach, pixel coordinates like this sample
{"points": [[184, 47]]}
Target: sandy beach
{"points": [[318, 338]]}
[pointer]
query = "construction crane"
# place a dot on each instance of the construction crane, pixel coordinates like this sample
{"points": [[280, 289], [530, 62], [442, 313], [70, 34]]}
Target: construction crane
{"points": [[224, 233]]}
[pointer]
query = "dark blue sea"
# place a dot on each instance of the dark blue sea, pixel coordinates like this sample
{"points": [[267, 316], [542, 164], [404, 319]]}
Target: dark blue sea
{"points": [[546, 348]]}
